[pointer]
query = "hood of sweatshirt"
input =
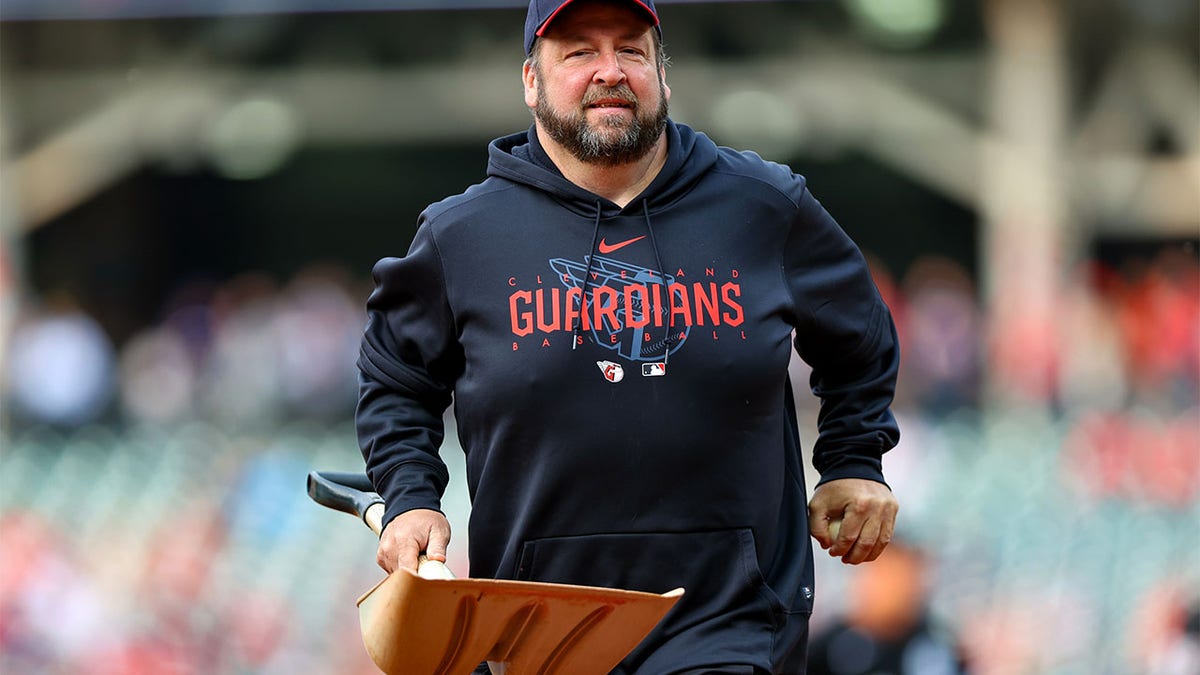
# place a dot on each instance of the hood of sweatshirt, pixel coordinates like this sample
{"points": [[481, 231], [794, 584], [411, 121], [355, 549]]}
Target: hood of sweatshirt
{"points": [[521, 159]]}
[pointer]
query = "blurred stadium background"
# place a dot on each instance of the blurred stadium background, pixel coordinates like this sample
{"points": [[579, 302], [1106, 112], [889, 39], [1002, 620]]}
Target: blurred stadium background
{"points": [[194, 192]]}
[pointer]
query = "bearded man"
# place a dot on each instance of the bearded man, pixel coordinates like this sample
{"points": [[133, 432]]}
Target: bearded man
{"points": [[612, 313]]}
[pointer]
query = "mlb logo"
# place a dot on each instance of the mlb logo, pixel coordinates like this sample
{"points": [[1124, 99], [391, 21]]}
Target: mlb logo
{"points": [[654, 369]]}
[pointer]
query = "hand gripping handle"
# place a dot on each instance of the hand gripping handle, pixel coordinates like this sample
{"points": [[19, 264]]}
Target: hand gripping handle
{"points": [[353, 493]]}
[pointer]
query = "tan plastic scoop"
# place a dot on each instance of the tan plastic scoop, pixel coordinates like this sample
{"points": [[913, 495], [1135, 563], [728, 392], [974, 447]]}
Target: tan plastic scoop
{"points": [[433, 624]]}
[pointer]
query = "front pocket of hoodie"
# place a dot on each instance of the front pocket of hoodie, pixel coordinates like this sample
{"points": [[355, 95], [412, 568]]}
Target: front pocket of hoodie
{"points": [[718, 570]]}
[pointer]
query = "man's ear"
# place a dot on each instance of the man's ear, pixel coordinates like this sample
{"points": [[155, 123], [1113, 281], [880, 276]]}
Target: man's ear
{"points": [[529, 80], [662, 74]]}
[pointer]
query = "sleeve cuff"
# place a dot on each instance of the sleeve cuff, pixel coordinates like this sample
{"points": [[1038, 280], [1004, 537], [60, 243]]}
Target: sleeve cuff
{"points": [[412, 485], [864, 471], [851, 461]]}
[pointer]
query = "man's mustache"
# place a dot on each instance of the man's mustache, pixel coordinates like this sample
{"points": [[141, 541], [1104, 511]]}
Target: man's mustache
{"points": [[619, 92]]}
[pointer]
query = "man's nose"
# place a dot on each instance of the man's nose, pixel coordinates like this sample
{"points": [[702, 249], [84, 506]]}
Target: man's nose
{"points": [[609, 71]]}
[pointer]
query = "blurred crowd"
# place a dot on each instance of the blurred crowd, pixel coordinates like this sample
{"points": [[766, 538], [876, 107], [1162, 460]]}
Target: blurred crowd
{"points": [[1120, 368], [249, 352], [183, 555], [1127, 337], [255, 360]]}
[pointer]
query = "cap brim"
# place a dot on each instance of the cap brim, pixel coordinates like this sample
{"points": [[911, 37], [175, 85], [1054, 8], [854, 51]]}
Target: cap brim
{"points": [[546, 24]]}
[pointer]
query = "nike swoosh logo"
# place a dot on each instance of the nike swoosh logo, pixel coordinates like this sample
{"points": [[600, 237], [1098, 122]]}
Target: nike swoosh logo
{"points": [[609, 248]]}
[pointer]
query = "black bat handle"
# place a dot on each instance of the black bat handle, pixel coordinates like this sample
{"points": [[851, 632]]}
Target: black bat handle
{"points": [[347, 492]]}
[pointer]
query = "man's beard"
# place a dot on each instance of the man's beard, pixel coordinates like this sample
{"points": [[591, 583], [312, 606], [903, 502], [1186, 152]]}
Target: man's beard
{"points": [[589, 144]]}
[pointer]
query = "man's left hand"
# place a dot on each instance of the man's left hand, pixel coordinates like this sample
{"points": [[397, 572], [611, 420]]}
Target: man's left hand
{"points": [[867, 513]]}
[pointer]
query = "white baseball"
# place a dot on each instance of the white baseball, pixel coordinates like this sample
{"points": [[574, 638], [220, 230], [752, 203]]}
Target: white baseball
{"points": [[835, 527]]}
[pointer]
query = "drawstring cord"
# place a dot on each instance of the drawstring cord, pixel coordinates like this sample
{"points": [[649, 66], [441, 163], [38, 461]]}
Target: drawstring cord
{"points": [[662, 271], [587, 278]]}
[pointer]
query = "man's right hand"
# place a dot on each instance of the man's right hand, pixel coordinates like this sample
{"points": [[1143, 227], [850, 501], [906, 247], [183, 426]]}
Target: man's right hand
{"points": [[409, 535]]}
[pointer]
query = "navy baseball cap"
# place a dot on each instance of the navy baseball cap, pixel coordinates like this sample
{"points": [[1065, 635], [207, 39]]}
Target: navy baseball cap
{"points": [[542, 12]]}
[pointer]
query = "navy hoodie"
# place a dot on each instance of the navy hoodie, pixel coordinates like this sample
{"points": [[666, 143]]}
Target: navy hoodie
{"points": [[645, 438]]}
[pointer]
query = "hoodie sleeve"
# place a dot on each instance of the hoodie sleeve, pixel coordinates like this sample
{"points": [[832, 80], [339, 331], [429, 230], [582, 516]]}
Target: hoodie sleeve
{"points": [[845, 332], [408, 363]]}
